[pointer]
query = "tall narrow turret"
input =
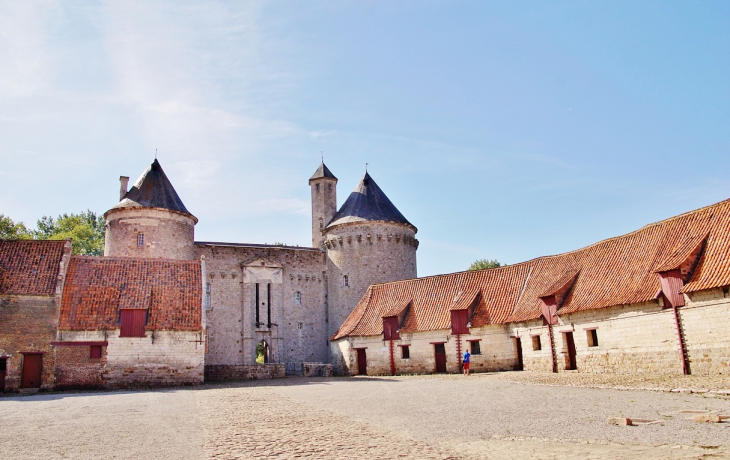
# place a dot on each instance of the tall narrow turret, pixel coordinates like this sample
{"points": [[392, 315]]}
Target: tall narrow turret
{"points": [[324, 202]]}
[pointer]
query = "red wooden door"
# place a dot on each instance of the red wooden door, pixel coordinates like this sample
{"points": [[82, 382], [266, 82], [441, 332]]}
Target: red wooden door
{"points": [[518, 344], [32, 368], [362, 364], [571, 351], [440, 352]]}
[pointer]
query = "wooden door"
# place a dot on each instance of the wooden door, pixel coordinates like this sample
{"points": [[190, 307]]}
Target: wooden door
{"points": [[3, 371], [440, 353], [32, 369], [518, 345], [362, 363], [570, 365]]}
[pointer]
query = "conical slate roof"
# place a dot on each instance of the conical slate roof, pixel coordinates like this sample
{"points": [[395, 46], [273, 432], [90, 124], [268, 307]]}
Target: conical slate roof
{"points": [[322, 172], [153, 190], [368, 203]]}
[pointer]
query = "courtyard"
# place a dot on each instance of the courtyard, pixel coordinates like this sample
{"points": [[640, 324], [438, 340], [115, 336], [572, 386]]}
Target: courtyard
{"points": [[496, 416]]}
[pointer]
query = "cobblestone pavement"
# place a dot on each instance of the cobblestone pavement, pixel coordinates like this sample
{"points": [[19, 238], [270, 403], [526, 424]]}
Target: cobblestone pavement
{"points": [[484, 416], [668, 383]]}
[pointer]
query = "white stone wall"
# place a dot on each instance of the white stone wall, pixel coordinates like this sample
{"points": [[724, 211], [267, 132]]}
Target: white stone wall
{"points": [[300, 331], [367, 253], [324, 207], [706, 326], [162, 358], [167, 234]]}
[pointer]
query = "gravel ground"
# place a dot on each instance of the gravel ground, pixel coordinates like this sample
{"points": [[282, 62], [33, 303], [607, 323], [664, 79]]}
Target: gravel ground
{"points": [[448, 416]]}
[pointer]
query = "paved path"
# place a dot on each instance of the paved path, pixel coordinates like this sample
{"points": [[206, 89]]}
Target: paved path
{"points": [[429, 417]]}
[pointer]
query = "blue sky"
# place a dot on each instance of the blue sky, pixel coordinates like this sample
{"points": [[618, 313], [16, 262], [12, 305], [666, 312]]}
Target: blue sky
{"points": [[504, 130]]}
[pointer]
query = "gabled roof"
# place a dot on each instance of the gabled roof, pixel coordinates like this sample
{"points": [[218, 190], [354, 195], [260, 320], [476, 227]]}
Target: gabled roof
{"points": [[322, 172], [368, 203], [153, 190], [98, 287], [30, 267], [617, 271]]}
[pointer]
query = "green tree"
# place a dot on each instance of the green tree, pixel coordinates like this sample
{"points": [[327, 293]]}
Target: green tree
{"points": [[86, 229], [481, 264], [10, 230]]}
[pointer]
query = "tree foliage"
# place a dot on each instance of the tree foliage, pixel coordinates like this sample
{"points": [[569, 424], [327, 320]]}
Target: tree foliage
{"points": [[10, 230], [481, 264], [86, 229]]}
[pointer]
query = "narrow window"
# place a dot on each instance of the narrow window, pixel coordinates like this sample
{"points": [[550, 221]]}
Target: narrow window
{"points": [[207, 296], [257, 306], [321, 224], [298, 298], [475, 348], [318, 187], [345, 281], [405, 352], [140, 239], [132, 322], [329, 186], [268, 306], [536, 345], [592, 336], [95, 352]]}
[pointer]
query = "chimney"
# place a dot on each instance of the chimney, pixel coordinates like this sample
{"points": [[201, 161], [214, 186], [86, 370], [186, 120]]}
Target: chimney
{"points": [[123, 182]]}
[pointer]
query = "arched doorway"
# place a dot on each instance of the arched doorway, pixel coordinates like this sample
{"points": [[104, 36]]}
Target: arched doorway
{"points": [[262, 352]]}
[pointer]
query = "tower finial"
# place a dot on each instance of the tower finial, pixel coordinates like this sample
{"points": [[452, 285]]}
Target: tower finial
{"points": [[155, 153], [366, 167], [322, 156]]}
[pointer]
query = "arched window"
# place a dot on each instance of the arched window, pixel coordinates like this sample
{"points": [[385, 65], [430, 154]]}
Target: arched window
{"points": [[262, 352]]}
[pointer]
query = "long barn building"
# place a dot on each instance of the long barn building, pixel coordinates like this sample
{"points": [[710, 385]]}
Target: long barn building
{"points": [[653, 301]]}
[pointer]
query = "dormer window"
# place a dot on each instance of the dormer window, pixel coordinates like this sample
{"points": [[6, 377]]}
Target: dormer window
{"points": [[140, 239]]}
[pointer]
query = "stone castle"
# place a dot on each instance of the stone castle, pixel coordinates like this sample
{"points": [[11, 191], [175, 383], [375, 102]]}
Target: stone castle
{"points": [[288, 299]]}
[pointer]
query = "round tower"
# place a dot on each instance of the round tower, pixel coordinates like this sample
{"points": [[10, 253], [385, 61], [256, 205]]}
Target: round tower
{"points": [[368, 241], [324, 202], [150, 220]]}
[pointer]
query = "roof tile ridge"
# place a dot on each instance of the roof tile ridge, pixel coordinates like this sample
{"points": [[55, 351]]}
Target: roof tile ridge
{"points": [[136, 259]]}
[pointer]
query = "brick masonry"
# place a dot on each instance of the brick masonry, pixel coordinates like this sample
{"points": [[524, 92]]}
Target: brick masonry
{"points": [[76, 369]]}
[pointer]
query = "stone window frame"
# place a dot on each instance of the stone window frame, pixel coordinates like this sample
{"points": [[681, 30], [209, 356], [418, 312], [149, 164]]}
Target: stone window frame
{"points": [[536, 342], [298, 297], [345, 281], [475, 347], [207, 297], [592, 337], [140, 239], [405, 351]]}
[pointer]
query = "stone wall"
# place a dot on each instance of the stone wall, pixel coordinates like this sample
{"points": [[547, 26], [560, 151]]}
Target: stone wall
{"points": [[27, 324], [316, 370], [640, 338], [167, 234], [367, 253], [162, 358], [497, 352], [223, 372], [76, 369], [299, 330]]}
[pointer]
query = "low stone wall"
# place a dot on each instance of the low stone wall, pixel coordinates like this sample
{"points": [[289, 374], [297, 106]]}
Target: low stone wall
{"points": [[220, 372], [316, 370]]}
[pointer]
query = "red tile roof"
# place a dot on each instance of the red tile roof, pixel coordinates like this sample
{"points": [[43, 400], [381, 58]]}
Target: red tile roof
{"points": [[30, 267], [616, 271], [98, 287]]}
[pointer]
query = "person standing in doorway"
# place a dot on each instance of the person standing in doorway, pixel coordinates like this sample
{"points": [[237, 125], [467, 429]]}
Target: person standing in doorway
{"points": [[467, 357]]}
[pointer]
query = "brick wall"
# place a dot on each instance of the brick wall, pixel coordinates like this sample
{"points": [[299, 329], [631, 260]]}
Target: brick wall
{"points": [[167, 234], [76, 369], [27, 324], [163, 358], [368, 253]]}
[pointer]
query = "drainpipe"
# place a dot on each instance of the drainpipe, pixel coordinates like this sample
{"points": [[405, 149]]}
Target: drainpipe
{"points": [[685, 365], [552, 347], [392, 359], [458, 352]]}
